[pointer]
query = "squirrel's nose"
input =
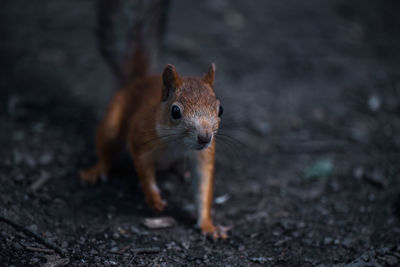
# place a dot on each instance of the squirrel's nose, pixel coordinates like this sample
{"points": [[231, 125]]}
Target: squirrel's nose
{"points": [[203, 139]]}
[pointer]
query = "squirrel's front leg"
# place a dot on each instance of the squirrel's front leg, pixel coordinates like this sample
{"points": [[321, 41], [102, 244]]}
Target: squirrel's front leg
{"points": [[203, 174], [145, 169]]}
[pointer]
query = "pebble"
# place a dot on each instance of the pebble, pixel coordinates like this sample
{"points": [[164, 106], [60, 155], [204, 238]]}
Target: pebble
{"points": [[17, 246], [33, 228], [261, 260], [374, 103], [64, 244], [358, 172], [46, 159], [221, 199], [348, 242], [328, 241], [159, 223], [185, 245], [34, 261], [376, 178]]}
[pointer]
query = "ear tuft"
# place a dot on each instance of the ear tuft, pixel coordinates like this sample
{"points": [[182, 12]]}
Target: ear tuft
{"points": [[171, 80], [209, 77]]}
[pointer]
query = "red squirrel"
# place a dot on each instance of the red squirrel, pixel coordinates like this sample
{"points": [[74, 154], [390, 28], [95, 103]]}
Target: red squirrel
{"points": [[160, 116], [157, 117]]}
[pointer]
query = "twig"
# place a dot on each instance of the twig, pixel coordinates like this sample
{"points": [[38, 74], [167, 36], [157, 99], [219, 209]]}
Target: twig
{"points": [[35, 186], [121, 251], [146, 250], [142, 251], [31, 234], [43, 250], [132, 259]]}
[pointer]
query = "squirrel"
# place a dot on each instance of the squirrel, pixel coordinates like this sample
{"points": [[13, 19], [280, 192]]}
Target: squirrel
{"points": [[163, 116]]}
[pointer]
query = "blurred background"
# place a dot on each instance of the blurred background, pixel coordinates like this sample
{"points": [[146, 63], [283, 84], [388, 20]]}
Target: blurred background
{"points": [[311, 96]]}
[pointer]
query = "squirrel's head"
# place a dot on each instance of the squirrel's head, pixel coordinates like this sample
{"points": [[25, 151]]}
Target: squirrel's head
{"points": [[190, 111]]}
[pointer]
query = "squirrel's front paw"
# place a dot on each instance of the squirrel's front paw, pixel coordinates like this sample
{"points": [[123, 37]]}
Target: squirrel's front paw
{"points": [[93, 174], [156, 203], [89, 176], [216, 232]]}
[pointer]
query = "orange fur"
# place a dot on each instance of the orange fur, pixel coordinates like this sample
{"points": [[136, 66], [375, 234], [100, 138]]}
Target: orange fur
{"points": [[139, 116]]}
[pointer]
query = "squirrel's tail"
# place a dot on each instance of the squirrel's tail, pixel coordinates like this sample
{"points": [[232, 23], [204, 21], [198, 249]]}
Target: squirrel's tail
{"points": [[130, 42]]}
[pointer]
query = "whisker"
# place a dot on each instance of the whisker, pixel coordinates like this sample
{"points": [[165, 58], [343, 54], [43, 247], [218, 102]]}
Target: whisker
{"points": [[231, 139], [227, 147], [163, 138]]}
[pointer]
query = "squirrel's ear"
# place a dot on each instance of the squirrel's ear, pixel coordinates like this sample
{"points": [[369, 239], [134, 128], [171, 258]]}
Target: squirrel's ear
{"points": [[171, 80], [209, 77]]}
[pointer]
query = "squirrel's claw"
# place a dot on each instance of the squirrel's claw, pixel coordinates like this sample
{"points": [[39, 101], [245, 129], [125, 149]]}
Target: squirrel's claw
{"points": [[88, 176], [157, 204], [216, 232]]}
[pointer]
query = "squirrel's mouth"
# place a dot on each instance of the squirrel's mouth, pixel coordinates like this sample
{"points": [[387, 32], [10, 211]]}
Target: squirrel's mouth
{"points": [[201, 147], [195, 144]]}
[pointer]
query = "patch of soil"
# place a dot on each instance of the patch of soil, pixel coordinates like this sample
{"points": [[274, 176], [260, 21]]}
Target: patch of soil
{"points": [[311, 96]]}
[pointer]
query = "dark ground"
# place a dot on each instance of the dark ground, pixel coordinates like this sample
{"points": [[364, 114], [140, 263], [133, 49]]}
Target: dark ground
{"points": [[301, 82]]}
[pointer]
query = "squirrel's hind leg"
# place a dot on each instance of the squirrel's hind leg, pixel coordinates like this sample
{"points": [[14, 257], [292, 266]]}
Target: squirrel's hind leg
{"points": [[106, 149], [108, 141]]}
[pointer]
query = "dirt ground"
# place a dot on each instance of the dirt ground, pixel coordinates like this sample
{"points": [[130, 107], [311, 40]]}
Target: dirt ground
{"points": [[311, 96]]}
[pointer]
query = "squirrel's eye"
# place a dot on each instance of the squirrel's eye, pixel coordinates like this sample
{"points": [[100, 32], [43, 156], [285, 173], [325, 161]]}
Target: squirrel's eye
{"points": [[176, 112], [220, 111]]}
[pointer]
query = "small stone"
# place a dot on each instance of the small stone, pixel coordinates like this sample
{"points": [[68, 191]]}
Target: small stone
{"points": [[30, 161], [365, 257], [34, 261], [33, 228], [159, 223], [17, 155], [358, 172], [221, 199], [261, 260], [376, 178], [171, 245], [112, 262], [17, 246], [374, 103], [46, 159], [347, 242], [116, 235], [254, 235], [280, 242], [122, 231], [137, 231], [328, 241], [185, 245], [19, 177], [82, 240]]}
